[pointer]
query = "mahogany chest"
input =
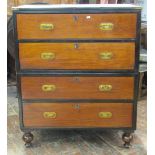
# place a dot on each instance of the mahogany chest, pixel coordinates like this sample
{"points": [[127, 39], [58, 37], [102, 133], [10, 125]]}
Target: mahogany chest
{"points": [[77, 67]]}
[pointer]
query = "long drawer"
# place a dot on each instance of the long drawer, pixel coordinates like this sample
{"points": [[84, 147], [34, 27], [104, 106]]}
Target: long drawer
{"points": [[62, 26], [77, 55], [77, 115], [77, 87]]}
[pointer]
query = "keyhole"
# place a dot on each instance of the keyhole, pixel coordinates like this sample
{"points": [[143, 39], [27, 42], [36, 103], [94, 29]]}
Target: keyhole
{"points": [[76, 45], [77, 79], [75, 18], [77, 106]]}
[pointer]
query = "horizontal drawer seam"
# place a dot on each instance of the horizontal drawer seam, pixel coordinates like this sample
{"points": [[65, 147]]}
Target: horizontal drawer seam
{"points": [[75, 40], [77, 100]]}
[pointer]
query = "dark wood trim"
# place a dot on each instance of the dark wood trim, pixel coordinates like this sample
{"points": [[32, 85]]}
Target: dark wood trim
{"points": [[78, 10], [16, 43], [73, 73], [23, 128], [137, 47], [20, 100], [74, 40]]}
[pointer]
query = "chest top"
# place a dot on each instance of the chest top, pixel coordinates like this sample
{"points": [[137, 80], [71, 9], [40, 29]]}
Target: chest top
{"points": [[76, 7]]}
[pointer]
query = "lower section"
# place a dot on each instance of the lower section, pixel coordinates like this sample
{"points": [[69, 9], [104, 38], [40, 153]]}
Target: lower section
{"points": [[77, 115]]}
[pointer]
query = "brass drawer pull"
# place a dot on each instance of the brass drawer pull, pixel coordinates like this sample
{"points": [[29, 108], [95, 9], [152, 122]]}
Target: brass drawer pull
{"points": [[48, 88], [47, 56], [106, 26], [105, 87], [106, 55], [49, 114], [105, 114], [46, 26]]}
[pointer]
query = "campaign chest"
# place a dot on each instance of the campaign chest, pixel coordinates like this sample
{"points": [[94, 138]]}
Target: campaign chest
{"points": [[77, 67]]}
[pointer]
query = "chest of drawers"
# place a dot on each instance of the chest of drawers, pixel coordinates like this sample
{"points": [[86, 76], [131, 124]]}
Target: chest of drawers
{"points": [[77, 67]]}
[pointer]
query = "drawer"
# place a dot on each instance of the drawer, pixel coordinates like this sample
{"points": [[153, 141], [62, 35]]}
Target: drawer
{"points": [[77, 55], [77, 87], [62, 26], [77, 115]]}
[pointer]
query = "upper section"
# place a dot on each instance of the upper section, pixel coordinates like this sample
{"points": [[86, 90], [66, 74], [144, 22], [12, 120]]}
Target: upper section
{"points": [[77, 36], [76, 21], [77, 6]]}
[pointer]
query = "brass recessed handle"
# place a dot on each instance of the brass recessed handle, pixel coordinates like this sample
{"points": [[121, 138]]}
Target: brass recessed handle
{"points": [[49, 114], [105, 114], [48, 88], [105, 87], [106, 26], [47, 55], [106, 55], [46, 26]]}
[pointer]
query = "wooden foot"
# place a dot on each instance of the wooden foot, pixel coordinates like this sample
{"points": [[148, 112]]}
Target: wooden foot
{"points": [[127, 138], [27, 138]]}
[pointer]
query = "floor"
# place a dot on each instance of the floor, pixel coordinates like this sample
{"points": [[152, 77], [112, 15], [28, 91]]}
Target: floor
{"points": [[73, 142]]}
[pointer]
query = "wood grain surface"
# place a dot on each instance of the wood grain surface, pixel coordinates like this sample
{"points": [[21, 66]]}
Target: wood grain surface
{"points": [[77, 56], [77, 87], [85, 116], [76, 26]]}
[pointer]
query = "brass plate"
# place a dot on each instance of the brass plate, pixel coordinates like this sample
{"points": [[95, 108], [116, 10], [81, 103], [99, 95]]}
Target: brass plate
{"points": [[106, 55], [105, 114], [47, 56], [105, 87], [46, 26], [106, 26], [48, 88], [49, 114]]}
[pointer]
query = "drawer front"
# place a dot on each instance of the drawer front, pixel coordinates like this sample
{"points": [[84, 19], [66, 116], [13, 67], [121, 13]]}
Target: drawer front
{"points": [[77, 115], [62, 26], [77, 55], [77, 87]]}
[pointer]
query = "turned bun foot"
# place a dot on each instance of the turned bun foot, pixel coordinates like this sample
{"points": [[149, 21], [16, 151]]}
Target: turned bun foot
{"points": [[127, 138], [27, 138]]}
